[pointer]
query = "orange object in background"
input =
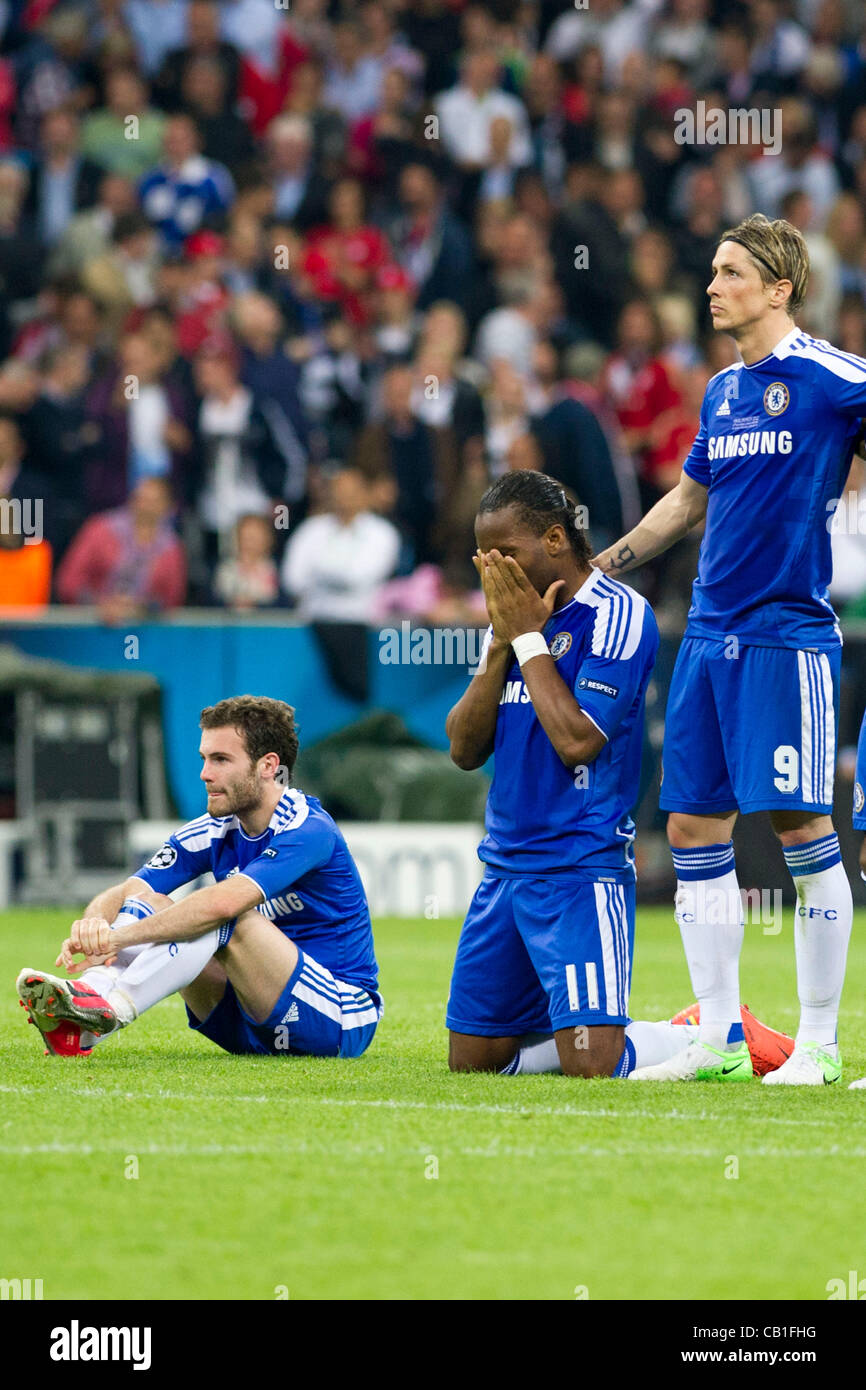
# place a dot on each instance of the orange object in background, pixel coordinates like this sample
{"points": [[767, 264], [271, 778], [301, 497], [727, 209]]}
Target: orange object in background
{"points": [[25, 575]]}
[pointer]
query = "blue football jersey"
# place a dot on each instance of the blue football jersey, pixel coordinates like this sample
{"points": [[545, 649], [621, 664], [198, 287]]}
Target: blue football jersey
{"points": [[541, 815], [774, 448], [310, 885], [860, 781]]}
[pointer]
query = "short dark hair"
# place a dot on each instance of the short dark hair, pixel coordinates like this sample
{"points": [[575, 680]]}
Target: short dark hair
{"points": [[541, 502], [265, 725]]}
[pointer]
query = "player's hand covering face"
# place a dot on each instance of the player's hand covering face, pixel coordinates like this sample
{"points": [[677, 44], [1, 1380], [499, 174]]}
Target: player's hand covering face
{"points": [[513, 605]]}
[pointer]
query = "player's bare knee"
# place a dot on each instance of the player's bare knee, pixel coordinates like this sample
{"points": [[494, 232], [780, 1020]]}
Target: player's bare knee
{"points": [[799, 827], [467, 1053], [153, 899], [587, 1052]]}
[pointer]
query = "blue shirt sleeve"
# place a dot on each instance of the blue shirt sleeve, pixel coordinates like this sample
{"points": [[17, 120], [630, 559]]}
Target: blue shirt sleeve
{"points": [[697, 465], [860, 781], [606, 687], [291, 855], [176, 863], [844, 383]]}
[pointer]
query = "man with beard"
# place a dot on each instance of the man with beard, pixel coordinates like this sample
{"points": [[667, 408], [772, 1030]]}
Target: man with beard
{"points": [[252, 954]]}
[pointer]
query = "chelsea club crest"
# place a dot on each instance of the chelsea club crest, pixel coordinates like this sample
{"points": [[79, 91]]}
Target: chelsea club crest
{"points": [[777, 398], [560, 645], [859, 799]]}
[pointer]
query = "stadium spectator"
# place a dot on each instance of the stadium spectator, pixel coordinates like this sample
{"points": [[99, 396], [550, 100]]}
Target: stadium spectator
{"points": [[202, 41], [575, 450], [242, 466], [26, 557], [430, 243], [385, 46], [22, 487], [249, 577], [466, 113], [507, 411], [846, 232], [89, 234], [616, 28], [186, 189], [62, 182], [342, 257], [253, 29], [140, 427], [224, 136], [639, 387], [299, 191], [125, 276], [799, 164], [333, 386], [445, 392], [382, 142], [128, 561], [56, 432], [304, 98], [396, 323], [125, 136], [274, 380], [334, 563], [157, 27], [20, 253], [591, 243], [413, 466], [353, 81]]}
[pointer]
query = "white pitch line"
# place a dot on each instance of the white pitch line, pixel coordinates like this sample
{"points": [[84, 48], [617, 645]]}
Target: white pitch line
{"points": [[360, 1150], [209, 1098]]}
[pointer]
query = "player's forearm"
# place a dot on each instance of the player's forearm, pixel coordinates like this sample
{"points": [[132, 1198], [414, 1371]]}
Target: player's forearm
{"points": [[192, 917], [108, 903], [575, 738], [471, 724], [672, 517]]}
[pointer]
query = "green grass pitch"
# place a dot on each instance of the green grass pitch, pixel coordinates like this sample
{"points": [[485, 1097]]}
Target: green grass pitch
{"points": [[388, 1177]]}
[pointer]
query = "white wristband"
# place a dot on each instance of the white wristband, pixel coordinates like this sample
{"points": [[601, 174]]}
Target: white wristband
{"points": [[527, 646]]}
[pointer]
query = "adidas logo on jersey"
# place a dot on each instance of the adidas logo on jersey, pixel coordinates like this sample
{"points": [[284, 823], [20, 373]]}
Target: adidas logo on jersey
{"points": [[291, 1015], [724, 408]]}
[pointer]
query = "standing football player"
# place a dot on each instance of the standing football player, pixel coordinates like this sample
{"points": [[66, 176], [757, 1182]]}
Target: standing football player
{"points": [[275, 957], [543, 969], [860, 824], [753, 705]]}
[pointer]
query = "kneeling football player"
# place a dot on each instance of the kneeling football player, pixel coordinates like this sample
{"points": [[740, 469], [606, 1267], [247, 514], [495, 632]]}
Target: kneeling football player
{"points": [[276, 956], [543, 970]]}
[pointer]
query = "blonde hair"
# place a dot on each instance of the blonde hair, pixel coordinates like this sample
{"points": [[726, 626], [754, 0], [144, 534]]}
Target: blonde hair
{"points": [[779, 252]]}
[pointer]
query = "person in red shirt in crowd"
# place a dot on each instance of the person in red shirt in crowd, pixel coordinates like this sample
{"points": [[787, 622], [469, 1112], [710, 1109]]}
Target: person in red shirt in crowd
{"points": [[638, 385], [205, 299], [129, 561], [262, 93], [674, 432], [342, 258], [392, 121]]}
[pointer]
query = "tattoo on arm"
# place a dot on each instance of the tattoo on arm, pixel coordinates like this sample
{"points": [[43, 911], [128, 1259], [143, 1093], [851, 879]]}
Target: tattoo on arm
{"points": [[624, 556]]}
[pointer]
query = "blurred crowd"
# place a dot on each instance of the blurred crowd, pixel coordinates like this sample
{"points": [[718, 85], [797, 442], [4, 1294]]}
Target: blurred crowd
{"points": [[284, 286]]}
